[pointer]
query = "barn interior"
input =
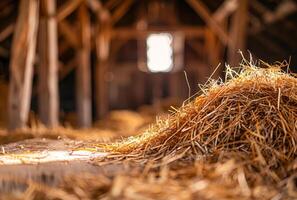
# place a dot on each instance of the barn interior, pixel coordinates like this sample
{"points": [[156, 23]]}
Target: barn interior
{"points": [[97, 99]]}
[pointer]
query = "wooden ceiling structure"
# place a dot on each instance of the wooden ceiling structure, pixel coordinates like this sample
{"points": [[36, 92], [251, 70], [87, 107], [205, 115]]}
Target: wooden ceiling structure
{"points": [[44, 30]]}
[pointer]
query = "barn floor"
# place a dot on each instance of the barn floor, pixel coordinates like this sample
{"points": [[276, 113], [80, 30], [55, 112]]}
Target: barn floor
{"points": [[63, 168], [48, 157]]}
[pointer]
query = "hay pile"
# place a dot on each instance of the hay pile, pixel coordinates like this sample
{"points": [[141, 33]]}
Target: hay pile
{"points": [[250, 119], [237, 140], [254, 112]]}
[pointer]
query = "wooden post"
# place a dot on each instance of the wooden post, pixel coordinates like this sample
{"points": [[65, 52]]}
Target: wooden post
{"points": [[205, 14], [213, 53], [21, 63], [103, 37], [83, 79], [238, 33], [48, 102]]}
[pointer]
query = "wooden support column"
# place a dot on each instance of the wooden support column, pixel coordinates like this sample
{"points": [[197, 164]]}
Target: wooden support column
{"points": [[238, 33], [21, 63], [103, 37], [213, 53], [48, 101], [83, 79]]}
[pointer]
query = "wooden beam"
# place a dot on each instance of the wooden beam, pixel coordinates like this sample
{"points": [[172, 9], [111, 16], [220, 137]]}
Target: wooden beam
{"points": [[67, 8], [95, 5], [69, 34], [110, 4], [121, 10], [238, 33], [65, 69], [103, 37], [48, 99], [83, 70], [205, 14], [227, 8], [132, 32], [6, 32], [21, 63], [284, 9]]}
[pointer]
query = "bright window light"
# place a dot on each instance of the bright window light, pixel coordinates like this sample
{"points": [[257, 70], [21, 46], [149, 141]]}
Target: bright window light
{"points": [[159, 52]]}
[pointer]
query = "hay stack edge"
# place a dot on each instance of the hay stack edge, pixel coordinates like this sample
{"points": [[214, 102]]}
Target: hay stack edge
{"points": [[254, 112]]}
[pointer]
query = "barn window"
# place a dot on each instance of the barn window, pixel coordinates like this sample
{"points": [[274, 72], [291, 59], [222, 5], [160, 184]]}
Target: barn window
{"points": [[159, 52]]}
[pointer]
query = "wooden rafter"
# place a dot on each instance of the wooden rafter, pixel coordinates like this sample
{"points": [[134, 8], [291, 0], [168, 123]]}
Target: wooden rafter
{"points": [[120, 11], [21, 63], [227, 8], [110, 4], [284, 9], [65, 69], [95, 5], [131, 32], [69, 34], [67, 8], [205, 14], [6, 32]]}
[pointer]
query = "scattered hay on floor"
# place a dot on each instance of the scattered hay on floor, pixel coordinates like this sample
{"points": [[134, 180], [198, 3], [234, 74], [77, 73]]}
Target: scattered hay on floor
{"points": [[222, 180], [56, 133]]}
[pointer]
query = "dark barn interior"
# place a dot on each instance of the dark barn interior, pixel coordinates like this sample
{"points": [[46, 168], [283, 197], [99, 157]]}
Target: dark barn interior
{"points": [[102, 93]]}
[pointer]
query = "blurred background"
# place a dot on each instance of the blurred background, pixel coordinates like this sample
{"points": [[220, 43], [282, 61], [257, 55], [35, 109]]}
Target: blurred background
{"points": [[72, 62]]}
